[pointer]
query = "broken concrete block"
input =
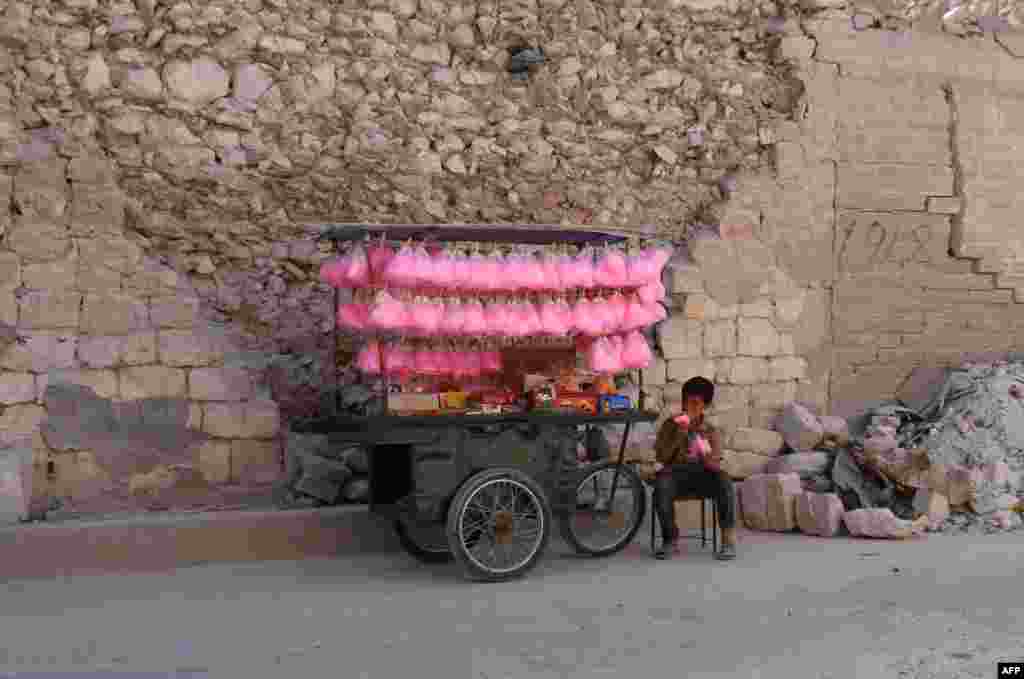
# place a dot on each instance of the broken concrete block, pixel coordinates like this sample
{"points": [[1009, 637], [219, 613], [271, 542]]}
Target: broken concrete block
{"points": [[837, 431], [769, 501], [880, 444], [805, 464], [739, 464], [996, 472], [932, 504], [321, 489], [800, 428], [357, 490], [961, 485], [760, 441], [882, 523], [15, 484], [819, 514], [357, 458], [321, 468]]}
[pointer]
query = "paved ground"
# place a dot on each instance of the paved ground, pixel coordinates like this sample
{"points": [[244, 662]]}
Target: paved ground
{"points": [[792, 606]]}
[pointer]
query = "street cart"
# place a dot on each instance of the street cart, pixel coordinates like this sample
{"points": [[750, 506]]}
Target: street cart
{"points": [[477, 452]]}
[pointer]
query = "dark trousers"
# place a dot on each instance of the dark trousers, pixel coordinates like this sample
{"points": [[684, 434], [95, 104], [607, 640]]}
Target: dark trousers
{"points": [[692, 480]]}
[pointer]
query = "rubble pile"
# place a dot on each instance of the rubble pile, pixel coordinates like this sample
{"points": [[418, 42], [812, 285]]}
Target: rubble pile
{"points": [[320, 473], [951, 460]]}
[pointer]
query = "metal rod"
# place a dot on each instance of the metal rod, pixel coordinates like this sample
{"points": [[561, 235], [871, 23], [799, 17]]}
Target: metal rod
{"points": [[622, 457], [335, 338]]}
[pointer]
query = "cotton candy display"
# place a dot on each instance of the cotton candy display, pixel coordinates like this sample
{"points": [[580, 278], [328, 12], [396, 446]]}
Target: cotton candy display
{"points": [[646, 267], [636, 353], [368, 360], [401, 362]]}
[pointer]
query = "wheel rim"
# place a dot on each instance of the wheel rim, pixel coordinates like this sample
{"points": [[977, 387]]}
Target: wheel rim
{"points": [[599, 521], [501, 526]]}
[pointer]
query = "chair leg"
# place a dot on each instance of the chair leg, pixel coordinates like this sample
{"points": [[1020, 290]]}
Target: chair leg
{"points": [[714, 527], [703, 525], [654, 523]]}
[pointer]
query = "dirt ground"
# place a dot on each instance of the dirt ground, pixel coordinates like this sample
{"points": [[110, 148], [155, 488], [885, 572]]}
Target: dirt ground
{"points": [[791, 606]]}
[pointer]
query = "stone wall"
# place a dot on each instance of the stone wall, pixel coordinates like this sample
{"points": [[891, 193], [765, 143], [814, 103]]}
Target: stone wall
{"points": [[853, 191]]}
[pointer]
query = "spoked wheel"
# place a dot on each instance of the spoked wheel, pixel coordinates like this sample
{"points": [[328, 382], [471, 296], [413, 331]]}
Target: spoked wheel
{"points": [[426, 542], [499, 524], [597, 523]]}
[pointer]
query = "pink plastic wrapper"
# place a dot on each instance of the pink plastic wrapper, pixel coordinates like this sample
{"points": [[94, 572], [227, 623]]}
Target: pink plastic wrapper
{"points": [[475, 320], [555, 318], [490, 362], [584, 268], [496, 319], [422, 271], [601, 358], [515, 321], [368, 360], [442, 270], [332, 272], [513, 269], [585, 321], [423, 362], [653, 312], [425, 317], [462, 273], [568, 272], [611, 270], [454, 320], [652, 292], [387, 313], [530, 319], [636, 353], [354, 316], [400, 271], [355, 268], [489, 273], [534, 277], [646, 266], [399, 362], [635, 315], [380, 257], [552, 273], [616, 305]]}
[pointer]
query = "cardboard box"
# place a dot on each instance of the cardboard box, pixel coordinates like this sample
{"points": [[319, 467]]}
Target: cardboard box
{"points": [[413, 403]]}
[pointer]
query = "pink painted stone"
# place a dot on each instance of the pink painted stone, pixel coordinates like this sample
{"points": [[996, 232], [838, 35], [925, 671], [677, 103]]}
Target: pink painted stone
{"points": [[880, 523], [997, 472], [881, 444], [769, 501], [819, 514], [801, 429]]}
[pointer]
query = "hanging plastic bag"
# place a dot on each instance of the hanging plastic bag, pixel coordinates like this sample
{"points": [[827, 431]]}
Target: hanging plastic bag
{"points": [[583, 268], [554, 319], [442, 270], [475, 320], [534, 278], [388, 313], [496, 319], [531, 319], [399, 270], [513, 271], [490, 362], [600, 358], [552, 272], [354, 316], [654, 313], [611, 271], [636, 353], [494, 269], [568, 272], [454, 319], [444, 363], [368, 360], [587, 318], [423, 361], [379, 256], [651, 292], [616, 305], [421, 273], [462, 272], [646, 266], [399, 362], [332, 272], [425, 317]]}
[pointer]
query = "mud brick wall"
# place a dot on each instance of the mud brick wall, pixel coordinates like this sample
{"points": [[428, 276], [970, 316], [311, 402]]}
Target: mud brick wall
{"points": [[159, 163]]}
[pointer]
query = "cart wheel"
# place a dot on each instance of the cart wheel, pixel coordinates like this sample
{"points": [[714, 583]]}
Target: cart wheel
{"points": [[499, 524], [596, 524], [425, 542]]}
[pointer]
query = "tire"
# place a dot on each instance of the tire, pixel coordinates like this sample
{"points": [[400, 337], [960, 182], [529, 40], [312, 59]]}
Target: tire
{"points": [[420, 548], [494, 526], [600, 477]]}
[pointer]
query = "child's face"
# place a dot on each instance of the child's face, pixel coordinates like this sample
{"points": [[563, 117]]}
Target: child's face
{"points": [[694, 406]]}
